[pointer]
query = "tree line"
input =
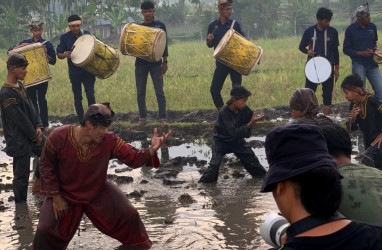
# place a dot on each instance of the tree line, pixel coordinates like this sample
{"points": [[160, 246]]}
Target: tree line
{"points": [[259, 18]]}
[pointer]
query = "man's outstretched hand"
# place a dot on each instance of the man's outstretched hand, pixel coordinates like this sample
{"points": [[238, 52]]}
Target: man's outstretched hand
{"points": [[157, 141]]}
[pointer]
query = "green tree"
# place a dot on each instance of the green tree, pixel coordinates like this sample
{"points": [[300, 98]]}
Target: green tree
{"points": [[12, 25]]}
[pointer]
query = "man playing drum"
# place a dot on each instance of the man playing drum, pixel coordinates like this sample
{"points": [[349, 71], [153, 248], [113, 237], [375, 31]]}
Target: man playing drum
{"points": [[77, 75], [37, 92], [216, 31], [359, 44], [322, 40], [156, 70]]}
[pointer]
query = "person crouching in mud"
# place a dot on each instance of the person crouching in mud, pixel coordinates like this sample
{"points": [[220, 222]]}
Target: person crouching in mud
{"points": [[73, 169], [234, 123]]}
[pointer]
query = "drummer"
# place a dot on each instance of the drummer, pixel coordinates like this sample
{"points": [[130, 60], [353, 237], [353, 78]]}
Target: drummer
{"points": [[216, 31], [77, 75], [322, 40], [38, 92], [156, 70]]}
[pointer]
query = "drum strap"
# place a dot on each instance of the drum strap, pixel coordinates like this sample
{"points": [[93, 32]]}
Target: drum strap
{"points": [[325, 40], [233, 23]]}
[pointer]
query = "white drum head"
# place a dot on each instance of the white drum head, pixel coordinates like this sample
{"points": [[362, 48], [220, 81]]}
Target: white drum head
{"points": [[318, 69], [223, 41], [83, 48]]}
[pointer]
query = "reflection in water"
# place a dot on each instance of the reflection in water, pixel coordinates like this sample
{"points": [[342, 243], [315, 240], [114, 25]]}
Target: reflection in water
{"points": [[23, 226]]}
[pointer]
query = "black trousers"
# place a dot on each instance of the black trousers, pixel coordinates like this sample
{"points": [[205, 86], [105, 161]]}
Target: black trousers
{"points": [[21, 171], [220, 74], [241, 150]]}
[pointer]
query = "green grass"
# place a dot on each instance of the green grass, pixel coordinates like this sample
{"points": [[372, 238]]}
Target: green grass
{"points": [[188, 79]]}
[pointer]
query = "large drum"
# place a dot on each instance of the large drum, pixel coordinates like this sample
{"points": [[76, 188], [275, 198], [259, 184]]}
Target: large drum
{"points": [[144, 42], [94, 56], [318, 69], [237, 52], [38, 69]]}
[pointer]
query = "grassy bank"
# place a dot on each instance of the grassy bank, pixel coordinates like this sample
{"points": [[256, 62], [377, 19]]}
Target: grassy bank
{"points": [[187, 82]]}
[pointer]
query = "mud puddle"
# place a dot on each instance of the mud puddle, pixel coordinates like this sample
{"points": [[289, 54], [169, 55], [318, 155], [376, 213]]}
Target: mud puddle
{"points": [[178, 212]]}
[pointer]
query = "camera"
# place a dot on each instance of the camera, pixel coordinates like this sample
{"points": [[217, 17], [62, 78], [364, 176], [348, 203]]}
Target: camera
{"points": [[273, 227]]}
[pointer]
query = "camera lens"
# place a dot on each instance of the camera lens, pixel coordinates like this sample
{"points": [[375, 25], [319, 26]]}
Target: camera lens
{"points": [[273, 227]]}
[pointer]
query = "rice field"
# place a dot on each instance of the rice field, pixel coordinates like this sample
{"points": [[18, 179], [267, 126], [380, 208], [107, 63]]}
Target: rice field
{"points": [[187, 82]]}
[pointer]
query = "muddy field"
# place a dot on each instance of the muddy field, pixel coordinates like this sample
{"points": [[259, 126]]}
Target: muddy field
{"points": [[178, 212]]}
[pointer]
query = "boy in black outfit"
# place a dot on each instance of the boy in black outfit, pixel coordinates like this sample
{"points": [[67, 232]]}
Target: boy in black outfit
{"points": [[234, 123]]}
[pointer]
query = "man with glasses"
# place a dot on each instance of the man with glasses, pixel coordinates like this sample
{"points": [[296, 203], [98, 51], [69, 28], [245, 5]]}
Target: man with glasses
{"points": [[73, 168], [77, 75], [216, 31]]}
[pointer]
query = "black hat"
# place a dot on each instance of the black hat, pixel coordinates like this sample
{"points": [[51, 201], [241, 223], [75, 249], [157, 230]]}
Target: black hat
{"points": [[239, 92], [17, 60], [293, 150], [352, 81]]}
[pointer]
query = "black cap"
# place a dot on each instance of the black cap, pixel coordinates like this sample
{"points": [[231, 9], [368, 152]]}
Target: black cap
{"points": [[17, 60], [239, 92], [293, 150]]}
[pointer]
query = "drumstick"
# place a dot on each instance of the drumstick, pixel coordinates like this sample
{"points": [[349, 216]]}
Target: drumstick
{"points": [[44, 42], [315, 69], [72, 48]]}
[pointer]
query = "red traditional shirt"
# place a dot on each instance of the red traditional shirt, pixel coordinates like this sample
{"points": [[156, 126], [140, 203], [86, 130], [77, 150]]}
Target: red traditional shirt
{"points": [[77, 175]]}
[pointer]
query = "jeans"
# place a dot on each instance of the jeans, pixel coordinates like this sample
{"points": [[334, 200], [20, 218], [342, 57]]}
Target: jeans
{"points": [[88, 81], [373, 74], [141, 75], [242, 151], [220, 74], [37, 95]]}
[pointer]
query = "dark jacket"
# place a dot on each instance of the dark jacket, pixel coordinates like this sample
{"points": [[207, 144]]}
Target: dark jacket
{"points": [[20, 120]]}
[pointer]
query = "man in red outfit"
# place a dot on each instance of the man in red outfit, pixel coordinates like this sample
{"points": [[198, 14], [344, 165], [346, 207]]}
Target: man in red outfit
{"points": [[73, 169]]}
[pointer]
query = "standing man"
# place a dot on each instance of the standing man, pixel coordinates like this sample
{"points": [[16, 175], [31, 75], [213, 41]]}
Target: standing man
{"points": [[322, 40], [216, 31], [37, 92], [360, 43], [73, 168], [77, 75], [156, 70], [21, 124]]}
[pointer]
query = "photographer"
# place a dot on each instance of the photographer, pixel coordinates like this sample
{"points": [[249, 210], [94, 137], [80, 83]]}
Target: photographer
{"points": [[306, 186]]}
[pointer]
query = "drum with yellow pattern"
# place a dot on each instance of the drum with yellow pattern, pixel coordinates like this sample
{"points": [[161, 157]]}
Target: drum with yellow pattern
{"points": [[144, 42], [94, 56], [38, 69], [237, 52]]}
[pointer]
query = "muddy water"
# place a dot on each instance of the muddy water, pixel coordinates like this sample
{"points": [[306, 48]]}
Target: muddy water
{"points": [[225, 215]]}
